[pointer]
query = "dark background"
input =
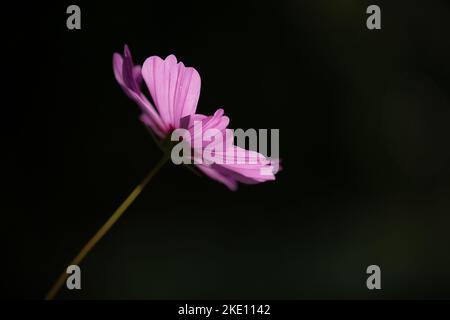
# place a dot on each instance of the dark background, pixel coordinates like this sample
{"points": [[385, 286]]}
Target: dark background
{"points": [[364, 137]]}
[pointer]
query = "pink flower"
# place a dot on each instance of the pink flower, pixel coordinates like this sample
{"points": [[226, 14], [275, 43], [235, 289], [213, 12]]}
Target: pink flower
{"points": [[175, 90]]}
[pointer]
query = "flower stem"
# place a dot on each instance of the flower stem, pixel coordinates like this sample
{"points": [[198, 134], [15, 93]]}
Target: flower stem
{"points": [[105, 228]]}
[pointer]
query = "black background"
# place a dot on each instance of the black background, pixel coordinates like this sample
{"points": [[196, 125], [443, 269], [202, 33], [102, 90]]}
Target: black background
{"points": [[364, 137]]}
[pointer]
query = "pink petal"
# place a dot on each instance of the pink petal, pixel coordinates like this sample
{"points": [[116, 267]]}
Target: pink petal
{"points": [[129, 77], [174, 88], [216, 175]]}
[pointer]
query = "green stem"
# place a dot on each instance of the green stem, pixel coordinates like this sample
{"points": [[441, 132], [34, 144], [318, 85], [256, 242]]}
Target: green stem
{"points": [[106, 227]]}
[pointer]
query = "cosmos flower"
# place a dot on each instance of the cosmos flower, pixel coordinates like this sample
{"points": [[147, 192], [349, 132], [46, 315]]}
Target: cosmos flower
{"points": [[174, 91]]}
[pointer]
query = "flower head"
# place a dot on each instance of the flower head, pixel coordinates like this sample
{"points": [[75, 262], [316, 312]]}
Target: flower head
{"points": [[175, 90]]}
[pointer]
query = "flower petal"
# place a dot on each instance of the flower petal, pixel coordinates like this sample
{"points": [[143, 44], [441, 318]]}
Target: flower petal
{"points": [[174, 88], [129, 77], [216, 175]]}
